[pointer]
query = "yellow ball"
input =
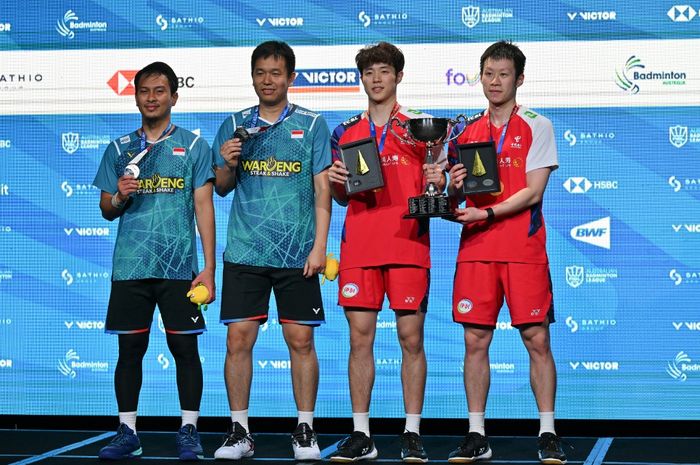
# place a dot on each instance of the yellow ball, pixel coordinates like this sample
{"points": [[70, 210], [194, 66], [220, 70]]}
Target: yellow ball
{"points": [[199, 295]]}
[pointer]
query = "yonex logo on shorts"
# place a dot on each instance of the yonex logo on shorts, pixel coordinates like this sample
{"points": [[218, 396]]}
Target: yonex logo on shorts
{"points": [[465, 306], [350, 290]]}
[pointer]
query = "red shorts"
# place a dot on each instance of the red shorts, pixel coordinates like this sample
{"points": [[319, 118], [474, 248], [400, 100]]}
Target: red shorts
{"points": [[479, 289], [406, 287]]}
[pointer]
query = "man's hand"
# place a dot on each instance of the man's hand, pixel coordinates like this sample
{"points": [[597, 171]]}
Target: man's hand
{"points": [[315, 263], [457, 175], [231, 152], [206, 277], [470, 215], [338, 172]]}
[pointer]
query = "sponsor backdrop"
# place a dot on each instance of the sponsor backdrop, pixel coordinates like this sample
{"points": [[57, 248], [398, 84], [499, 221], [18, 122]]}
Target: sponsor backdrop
{"points": [[623, 211]]}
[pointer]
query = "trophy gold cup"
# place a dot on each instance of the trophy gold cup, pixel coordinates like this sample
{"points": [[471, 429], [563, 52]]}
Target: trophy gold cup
{"points": [[433, 133]]}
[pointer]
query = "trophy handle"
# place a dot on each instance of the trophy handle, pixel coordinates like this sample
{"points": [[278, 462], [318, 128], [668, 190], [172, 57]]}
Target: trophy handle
{"points": [[453, 123], [402, 125]]}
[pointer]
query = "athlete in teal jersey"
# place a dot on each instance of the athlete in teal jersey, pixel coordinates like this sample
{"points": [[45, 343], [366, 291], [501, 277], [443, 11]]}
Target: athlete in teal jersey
{"points": [[271, 222], [156, 237], [276, 241], [157, 180]]}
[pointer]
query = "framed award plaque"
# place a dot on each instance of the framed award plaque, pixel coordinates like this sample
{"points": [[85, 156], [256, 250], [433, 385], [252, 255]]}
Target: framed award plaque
{"points": [[481, 162], [361, 158]]}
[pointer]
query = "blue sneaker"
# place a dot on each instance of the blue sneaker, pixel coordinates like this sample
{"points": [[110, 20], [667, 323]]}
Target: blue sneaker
{"points": [[124, 445], [188, 445]]}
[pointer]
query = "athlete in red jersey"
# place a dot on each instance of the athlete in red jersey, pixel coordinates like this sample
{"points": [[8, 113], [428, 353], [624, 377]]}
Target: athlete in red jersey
{"points": [[383, 253], [502, 251]]}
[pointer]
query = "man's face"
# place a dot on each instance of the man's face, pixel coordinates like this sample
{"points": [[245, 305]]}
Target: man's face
{"points": [[153, 97], [270, 80], [380, 81], [499, 81]]}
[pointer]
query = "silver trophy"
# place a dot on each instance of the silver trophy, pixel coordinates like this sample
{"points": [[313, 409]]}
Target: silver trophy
{"points": [[434, 133]]}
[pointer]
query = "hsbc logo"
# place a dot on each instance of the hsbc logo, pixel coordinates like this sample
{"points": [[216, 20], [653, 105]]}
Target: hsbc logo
{"points": [[581, 185], [681, 13], [122, 82], [595, 233]]}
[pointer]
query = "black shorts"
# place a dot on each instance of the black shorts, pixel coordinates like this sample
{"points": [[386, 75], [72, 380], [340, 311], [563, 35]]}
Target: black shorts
{"points": [[131, 306], [246, 290]]}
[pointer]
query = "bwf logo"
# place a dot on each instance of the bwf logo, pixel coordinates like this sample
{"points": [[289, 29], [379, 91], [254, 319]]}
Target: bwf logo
{"points": [[595, 233]]}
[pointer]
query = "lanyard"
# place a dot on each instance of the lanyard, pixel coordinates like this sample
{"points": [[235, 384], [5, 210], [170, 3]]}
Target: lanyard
{"points": [[373, 128], [143, 135], [499, 148], [256, 115]]}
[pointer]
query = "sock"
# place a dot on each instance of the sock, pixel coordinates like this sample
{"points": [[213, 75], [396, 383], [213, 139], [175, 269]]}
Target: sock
{"points": [[240, 416], [412, 423], [189, 417], [476, 423], [306, 417], [129, 419], [546, 423], [360, 422]]}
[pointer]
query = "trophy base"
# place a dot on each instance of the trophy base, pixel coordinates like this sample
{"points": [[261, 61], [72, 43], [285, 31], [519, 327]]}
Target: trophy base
{"points": [[426, 206]]}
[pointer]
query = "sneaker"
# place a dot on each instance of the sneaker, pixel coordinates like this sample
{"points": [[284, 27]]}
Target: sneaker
{"points": [[412, 448], [549, 449], [305, 443], [237, 444], [355, 447], [188, 445], [124, 445], [474, 447]]}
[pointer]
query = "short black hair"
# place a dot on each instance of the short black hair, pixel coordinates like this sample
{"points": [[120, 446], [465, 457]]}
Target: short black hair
{"points": [[383, 52], [158, 68], [505, 50], [275, 49]]}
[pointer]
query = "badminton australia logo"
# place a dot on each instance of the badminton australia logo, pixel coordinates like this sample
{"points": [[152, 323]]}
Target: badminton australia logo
{"points": [[627, 77], [679, 135], [680, 366], [574, 276], [71, 364], [70, 22]]}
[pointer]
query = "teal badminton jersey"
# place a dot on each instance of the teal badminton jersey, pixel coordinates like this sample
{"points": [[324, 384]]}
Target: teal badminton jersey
{"points": [[156, 236], [272, 221]]}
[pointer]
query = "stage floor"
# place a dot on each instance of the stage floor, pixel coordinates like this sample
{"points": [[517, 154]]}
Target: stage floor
{"points": [[80, 447]]}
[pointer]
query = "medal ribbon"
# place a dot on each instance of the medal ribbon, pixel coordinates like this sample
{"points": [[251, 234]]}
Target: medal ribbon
{"points": [[373, 128]]}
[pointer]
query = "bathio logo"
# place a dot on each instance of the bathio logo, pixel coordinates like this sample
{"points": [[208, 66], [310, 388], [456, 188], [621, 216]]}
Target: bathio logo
{"points": [[572, 324], [163, 361], [67, 277], [66, 188], [570, 137], [364, 18], [675, 183], [595, 233], [587, 137], [675, 277], [681, 13], [162, 22], [680, 366]]}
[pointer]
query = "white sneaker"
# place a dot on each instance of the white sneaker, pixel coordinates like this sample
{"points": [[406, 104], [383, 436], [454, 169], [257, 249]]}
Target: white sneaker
{"points": [[305, 444], [237, 444]]}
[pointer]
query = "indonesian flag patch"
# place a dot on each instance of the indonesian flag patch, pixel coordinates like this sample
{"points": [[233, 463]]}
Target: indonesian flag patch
{"points": [[179, 151], [297, 133]]}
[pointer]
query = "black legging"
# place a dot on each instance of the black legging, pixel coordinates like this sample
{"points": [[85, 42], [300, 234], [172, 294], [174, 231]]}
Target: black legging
{"points": [[128, 374]]}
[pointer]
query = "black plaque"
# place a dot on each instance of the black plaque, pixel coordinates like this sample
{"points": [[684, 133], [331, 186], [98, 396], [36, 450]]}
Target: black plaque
{"points": [[361, 159], [481, 162]]}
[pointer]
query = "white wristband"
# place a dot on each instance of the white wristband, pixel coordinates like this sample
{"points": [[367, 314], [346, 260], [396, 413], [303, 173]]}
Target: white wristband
{"points": [[115, 201]]}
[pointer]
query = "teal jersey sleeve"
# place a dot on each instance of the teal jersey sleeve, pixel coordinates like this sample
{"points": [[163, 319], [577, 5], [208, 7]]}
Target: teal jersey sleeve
{"points": [[321, 145], [202, 157], [107, 177]]}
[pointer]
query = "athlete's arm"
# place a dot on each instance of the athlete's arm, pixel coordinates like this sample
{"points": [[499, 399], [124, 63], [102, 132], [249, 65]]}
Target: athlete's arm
{"points": [[338, 175], [316, 261], [204, 212], [523, 199], [113, 205]]}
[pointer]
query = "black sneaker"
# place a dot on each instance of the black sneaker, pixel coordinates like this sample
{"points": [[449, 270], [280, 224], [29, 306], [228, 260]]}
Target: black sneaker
{"points": [[305, 443], [474, 447], [355, 447], [549, 449], [412, 448]]}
